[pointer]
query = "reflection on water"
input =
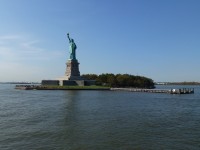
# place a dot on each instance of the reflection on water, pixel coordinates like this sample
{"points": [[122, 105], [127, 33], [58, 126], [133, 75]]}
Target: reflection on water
{"points": [[85, 120]]}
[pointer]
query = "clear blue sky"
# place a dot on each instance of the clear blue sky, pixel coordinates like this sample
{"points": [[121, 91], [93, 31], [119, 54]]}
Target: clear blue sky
{"points": [[159, 39]]}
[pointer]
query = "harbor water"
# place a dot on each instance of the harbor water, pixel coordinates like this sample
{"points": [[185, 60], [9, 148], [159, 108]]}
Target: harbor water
{"points": [[98, 120]]}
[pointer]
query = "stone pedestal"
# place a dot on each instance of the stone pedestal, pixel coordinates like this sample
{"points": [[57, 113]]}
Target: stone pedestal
{"points": [[72, 77], [72, 70]]}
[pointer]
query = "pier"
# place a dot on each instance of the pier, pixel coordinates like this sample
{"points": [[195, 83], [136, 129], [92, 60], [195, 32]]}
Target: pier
{"points": [[170, 91]]}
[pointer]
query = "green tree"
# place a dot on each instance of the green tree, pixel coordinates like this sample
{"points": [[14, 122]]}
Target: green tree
{"points": [[121, 80]]}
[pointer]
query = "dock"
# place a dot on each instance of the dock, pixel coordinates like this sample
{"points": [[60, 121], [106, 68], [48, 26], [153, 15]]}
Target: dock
{"points": [[169, 91]]}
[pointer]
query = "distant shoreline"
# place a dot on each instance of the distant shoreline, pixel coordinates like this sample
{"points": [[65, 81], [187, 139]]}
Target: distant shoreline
{"points": [[20, 83], [177, 83]]}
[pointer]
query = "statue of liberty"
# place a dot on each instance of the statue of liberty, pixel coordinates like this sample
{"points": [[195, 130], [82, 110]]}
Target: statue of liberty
{"points": [[72, 48]]}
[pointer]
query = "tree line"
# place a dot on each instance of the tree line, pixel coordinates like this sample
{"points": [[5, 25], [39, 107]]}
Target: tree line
{"points": [[120, 80]]}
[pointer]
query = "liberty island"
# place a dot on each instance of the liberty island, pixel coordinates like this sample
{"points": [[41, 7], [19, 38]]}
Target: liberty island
{"points": [[72, 80]]}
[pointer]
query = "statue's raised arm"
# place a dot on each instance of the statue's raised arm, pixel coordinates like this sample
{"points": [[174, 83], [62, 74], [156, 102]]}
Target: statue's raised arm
{"points": [[68, 37]]}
